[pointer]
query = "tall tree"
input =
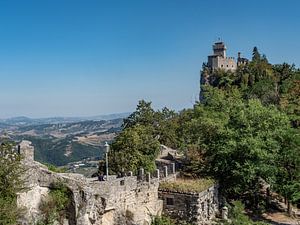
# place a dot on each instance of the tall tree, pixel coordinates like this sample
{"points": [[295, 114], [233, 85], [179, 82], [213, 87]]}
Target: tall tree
{"points": [[134, 148], [255, 55], [143, 115], [288, 161]]}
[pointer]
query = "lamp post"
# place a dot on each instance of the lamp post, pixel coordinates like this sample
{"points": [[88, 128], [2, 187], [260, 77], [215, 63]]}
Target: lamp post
{"points": [[106, 158]]}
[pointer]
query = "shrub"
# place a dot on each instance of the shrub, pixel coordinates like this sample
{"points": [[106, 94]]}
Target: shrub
{"points": [[54, 207]]}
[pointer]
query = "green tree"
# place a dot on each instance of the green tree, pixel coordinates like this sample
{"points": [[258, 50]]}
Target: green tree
{"points": [[143, 115], [238, 217], [238, 141], [134, 148], [11, 183], [255, 55], [288, 161], [167, 125]]}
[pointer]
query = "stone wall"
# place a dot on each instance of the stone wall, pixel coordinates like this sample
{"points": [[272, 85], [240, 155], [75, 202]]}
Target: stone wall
{"points": [[218, 62], [126, 200], [196, 208]]}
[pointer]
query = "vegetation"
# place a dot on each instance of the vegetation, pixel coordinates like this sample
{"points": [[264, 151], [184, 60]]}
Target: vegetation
{"points": [[134, 148], [11, 183], [239, 141], [187, 185], [46, 146], [55, 168], [245, 132], [55, 207], [162, 220], [139, 143], [248, 130], [238, 217]]}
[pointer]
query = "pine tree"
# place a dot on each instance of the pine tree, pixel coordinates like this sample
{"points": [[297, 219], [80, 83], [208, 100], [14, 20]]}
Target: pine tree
{"points": [[256, 55]]}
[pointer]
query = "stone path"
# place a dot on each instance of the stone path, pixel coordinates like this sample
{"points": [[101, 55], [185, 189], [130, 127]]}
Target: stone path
{"points": [[280, 218]]}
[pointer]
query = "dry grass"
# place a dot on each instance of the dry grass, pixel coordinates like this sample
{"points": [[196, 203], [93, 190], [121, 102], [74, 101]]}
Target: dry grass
{"points": [[187, 185]]}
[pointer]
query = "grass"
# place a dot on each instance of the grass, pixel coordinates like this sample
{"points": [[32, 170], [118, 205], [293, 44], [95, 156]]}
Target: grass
{"points": [[187, 185]]}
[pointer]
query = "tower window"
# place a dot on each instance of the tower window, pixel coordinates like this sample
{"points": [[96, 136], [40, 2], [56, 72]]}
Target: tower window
{"points": [[170, 201]]}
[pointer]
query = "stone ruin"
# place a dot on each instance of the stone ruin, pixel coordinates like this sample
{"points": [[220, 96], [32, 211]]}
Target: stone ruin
{"points": [[126, 200]]}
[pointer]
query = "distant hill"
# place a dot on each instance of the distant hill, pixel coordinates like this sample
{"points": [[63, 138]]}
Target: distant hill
{"points": [[26, 121], [59, 142]]}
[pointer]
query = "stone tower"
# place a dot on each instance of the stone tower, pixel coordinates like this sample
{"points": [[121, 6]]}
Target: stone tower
{"points": [[26, 149], [219, 60], [219, 49]]}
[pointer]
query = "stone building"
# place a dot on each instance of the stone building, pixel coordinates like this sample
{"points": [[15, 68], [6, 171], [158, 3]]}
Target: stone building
{"points": [[219, 60], [190, 206], [241, 61]]}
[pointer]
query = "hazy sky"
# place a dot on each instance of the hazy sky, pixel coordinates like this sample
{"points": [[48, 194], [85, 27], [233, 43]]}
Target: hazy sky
{"points": [[91, 57]]}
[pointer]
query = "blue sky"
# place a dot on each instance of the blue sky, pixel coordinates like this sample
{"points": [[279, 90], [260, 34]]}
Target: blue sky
{"points": [[80, 58]]}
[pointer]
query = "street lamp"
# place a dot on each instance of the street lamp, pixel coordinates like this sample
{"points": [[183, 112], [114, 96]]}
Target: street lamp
{"points": [[106, 158]]}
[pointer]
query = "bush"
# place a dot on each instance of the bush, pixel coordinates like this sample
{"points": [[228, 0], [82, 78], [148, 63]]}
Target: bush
{"points": [[238, 217], [163, 220], [55, 168], [54, 207]]}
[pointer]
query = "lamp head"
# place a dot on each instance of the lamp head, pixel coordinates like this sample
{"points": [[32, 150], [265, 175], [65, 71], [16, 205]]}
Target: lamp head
{"points": [[106, 146]]}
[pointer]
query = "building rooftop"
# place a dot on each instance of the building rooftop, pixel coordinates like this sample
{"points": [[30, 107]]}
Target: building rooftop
{"points": [[187, 185]]}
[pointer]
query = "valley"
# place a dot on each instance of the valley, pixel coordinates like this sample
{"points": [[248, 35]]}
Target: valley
{"points": [[61, 141]]}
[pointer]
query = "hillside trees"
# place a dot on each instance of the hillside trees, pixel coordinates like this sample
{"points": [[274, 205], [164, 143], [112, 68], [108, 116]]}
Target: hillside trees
{"points": [[288, 161], [11, 183], [267, 92], [143, 131], [244, 132], [238, 141]]}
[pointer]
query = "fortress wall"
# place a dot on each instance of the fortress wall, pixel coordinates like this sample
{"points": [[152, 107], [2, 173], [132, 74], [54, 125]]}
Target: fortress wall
{"points": [[226, 63]]}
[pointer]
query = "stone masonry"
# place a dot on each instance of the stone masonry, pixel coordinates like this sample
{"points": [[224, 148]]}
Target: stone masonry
{"points": [[195, 208]]}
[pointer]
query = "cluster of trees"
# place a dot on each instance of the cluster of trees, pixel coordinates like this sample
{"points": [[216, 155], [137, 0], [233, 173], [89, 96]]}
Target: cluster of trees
{"points": [[255, 112], [139, 143], [245, 133]]}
